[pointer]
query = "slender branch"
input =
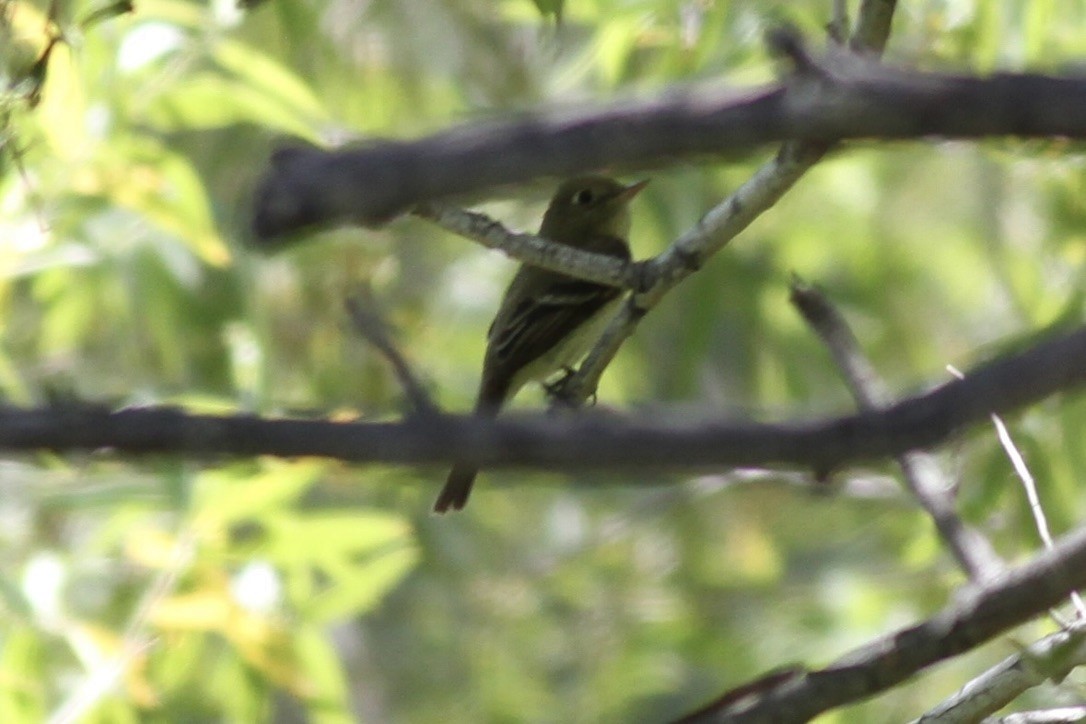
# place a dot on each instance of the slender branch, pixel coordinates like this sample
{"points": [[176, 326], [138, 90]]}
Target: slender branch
{"points": [[868, 390], [1050, 659], [535, 250], [1018, 595], [921, 471], [593, 439], [104, 677], [362, 309], [873, 26], [838, 27], [1030, 487], [1060, 715]]}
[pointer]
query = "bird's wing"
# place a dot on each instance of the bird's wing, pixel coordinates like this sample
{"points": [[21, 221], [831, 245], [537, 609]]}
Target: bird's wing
{"points": [[539, 322]]}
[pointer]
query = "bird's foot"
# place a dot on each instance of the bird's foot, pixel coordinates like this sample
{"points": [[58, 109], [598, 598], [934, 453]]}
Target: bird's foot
{"points": [[561, 392]]}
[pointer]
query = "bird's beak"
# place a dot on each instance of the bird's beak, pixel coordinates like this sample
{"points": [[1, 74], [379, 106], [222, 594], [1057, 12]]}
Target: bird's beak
{"points": [[632, 190]]}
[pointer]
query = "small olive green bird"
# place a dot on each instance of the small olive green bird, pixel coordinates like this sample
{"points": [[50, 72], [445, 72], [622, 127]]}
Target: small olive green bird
{"points": [[547, 321]]}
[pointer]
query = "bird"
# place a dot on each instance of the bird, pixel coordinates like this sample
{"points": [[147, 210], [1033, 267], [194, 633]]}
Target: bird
{"points": [[547, 320]]}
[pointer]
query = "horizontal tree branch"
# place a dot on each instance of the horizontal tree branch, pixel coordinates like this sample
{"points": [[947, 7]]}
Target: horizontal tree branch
{"points": [[837, 97], [586, 440], [982, 613]]}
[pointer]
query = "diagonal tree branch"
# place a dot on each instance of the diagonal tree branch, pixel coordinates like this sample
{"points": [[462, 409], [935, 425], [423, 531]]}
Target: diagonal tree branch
{"points": [[367, 320], [921, 472], [1050, 659], [1018, 595]]}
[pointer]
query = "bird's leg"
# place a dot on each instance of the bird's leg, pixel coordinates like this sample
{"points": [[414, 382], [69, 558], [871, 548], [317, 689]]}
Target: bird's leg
{"points": [[558, 391]]}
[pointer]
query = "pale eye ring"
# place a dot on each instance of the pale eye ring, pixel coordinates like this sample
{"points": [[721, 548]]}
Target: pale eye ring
{"points": [[582, 197]]}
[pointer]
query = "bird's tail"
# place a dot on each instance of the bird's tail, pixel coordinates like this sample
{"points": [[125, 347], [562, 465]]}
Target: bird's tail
{"points": [[454, 496], [457, 489]]}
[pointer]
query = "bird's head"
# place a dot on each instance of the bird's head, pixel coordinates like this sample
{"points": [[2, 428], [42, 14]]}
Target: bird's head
{"points": [[587, 207]]}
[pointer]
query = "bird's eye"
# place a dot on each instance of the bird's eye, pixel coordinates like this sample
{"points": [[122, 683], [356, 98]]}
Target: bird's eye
{"points": [[582, 197]]}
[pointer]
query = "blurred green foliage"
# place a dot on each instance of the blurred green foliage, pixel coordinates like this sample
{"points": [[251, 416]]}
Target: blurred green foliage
{"points": [[160, 589]]}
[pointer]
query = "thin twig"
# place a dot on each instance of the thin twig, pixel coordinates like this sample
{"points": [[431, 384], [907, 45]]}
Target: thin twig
{"points": [[136, 642], [368, 322], [873, 26], [532, 249], [838, 26], [1029, 485], [1061, 715]]}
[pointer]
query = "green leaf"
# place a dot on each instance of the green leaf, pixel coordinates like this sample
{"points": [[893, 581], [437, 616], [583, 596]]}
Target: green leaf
{"points": [[319, 663], [362, 555], [357, 587], [548, 8], [209, 99], [261, 73], [236, 493]]}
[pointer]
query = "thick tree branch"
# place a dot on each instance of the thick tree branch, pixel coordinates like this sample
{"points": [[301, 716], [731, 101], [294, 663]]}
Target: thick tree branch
{"points": [[1015, 597], [849, 98], [587, 440]]}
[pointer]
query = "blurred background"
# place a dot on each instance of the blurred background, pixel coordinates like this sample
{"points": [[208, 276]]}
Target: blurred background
{"points": [[168, 589]]}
